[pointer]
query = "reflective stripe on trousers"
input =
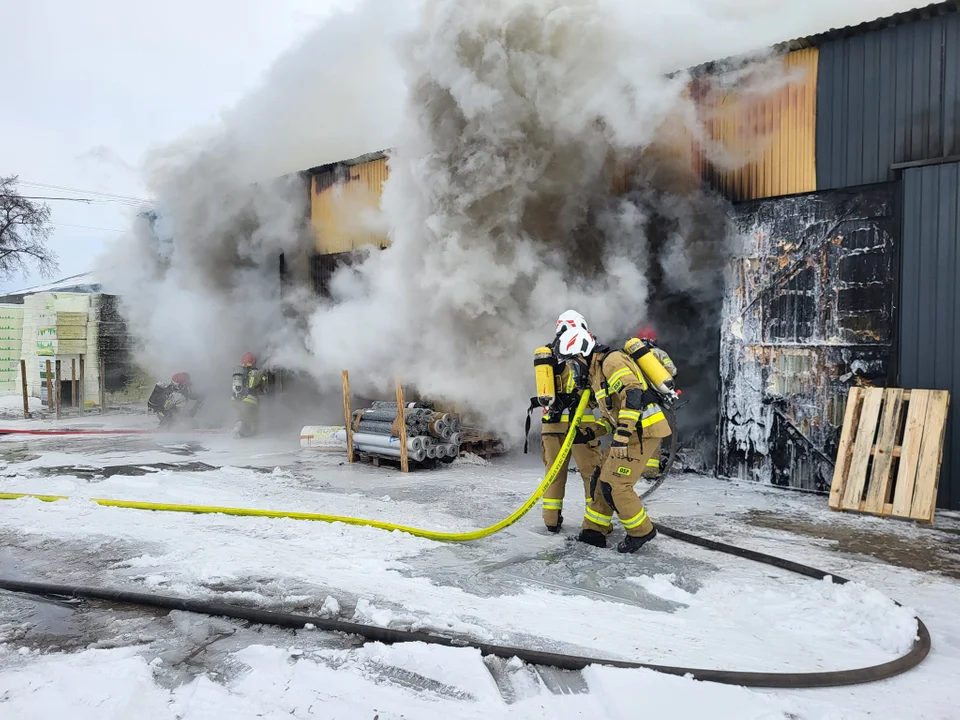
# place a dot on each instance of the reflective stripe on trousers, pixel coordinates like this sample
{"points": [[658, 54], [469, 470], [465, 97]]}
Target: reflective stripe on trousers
{"points": [[635, 521], [598, 518]]}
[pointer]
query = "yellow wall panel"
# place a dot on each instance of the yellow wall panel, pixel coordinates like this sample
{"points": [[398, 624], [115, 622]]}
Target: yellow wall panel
{"points": [[345, 206], [763, 144]]}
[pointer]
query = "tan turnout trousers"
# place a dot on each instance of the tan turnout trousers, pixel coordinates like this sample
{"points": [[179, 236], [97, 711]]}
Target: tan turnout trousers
{"points": [[588, 457], [619, 477], [652, 470]]}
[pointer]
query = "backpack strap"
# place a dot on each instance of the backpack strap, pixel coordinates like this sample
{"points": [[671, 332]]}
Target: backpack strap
{"points": [[534, 404]]}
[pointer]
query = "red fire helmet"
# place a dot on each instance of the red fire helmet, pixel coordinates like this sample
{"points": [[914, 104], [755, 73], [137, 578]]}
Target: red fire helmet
{"points": [[647, 333]]}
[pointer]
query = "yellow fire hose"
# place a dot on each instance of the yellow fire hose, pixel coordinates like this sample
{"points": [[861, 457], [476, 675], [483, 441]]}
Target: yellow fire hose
{"points": [[429, 534], [920, 649]]}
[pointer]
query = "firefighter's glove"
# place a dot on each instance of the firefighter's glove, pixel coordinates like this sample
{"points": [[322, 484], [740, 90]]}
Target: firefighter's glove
{"points": [[584, 436], [618, 448]]}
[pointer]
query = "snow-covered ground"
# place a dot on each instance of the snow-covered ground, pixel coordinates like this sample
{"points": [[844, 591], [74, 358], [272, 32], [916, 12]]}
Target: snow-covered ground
{"points": [[674, 603]]}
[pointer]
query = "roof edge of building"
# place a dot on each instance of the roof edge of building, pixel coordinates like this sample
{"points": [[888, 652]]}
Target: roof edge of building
{"points": [[812, 41], [358, 160]]}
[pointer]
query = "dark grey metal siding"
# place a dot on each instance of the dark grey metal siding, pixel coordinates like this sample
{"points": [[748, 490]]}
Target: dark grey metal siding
{"points": [[886, 97], [930, 300]]}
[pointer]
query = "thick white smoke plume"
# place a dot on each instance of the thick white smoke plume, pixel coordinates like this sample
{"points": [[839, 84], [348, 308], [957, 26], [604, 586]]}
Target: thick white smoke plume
{"points": [[495, 200], [506, 117], [200, 284]]}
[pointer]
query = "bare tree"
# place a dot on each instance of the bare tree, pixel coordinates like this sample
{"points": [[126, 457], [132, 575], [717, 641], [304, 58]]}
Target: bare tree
{"points": [[24, 231]]}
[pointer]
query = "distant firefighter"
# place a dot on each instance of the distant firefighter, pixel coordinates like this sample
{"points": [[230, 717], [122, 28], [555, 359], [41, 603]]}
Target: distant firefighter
{"points": [[249, 383], [169, 399]]}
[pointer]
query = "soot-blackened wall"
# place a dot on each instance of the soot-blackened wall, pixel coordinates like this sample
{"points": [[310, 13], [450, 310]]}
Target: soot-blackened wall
{"points": [[808, 314]]}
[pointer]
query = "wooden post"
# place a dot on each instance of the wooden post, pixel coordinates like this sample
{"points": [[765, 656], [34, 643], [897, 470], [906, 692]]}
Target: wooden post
{"points": [[402, 422], [49, 388], [57, 385], [23, 385], [347, 419], [103, 388], [73, 383], [81, 392]]}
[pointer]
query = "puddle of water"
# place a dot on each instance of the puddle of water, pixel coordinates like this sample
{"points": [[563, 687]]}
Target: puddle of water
{"points": [[567, 568], [89, 472], [17, 454]]}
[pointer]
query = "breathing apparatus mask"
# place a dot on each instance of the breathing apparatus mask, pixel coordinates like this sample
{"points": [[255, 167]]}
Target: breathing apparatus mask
{"points": [[578, 364]]}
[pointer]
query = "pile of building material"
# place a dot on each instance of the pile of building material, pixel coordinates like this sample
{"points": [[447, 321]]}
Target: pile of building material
{"points": [[11, 334], [430, 435], [55, 327]]}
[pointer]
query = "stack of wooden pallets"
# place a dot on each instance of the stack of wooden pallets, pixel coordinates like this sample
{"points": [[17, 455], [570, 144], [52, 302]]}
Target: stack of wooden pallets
{"points": [[891, 446]]}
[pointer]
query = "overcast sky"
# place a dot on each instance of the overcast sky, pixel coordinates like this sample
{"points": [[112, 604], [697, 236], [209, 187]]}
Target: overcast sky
{"points": [[99, 82]]}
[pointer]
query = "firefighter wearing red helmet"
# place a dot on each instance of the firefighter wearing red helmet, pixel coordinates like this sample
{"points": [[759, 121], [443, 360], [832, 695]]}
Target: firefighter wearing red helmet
{"points": [[249, 384], [649, 336], [169, 399]]}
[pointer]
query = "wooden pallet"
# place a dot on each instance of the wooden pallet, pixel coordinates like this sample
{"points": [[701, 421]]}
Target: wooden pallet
{"points": [[891, 446], [482, 444]]}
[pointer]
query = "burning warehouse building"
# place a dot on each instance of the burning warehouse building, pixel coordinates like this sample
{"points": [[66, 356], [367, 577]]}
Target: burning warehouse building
{"points": [[846, 199]]}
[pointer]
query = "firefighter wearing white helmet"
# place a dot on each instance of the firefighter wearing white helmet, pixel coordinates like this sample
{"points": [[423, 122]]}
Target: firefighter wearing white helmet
{"points": [[557, 397], [622, 393]]}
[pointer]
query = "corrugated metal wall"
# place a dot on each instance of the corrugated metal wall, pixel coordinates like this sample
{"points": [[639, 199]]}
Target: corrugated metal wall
{"points": [[344, 205], [930, 300], [773, 134], [886, 97]]}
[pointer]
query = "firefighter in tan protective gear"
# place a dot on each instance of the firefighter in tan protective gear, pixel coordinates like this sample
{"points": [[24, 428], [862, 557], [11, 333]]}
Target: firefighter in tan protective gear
{"points": [[249, 385], [559, 400], [649, 336], [623, 393]]}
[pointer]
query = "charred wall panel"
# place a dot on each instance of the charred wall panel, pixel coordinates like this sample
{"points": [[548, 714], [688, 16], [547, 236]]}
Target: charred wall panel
{"points": [[885, 97], [322, 268], [807, 315], [930, 301], [115, 345]]}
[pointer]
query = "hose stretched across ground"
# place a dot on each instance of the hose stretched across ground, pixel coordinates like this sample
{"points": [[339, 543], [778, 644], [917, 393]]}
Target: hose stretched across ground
{"points": [[419, 532], [919, 650], [376, 633]]}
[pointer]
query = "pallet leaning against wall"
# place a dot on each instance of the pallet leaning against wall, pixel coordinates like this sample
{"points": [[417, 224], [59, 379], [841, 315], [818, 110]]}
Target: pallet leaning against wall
{"points": [[891, 447]]}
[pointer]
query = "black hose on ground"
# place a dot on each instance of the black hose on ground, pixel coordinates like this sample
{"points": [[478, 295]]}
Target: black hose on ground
{"points": [[832, 678]]}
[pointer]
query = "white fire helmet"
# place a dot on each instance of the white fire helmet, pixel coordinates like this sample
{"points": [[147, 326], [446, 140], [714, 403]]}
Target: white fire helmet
{"points": [[572, 318], [573, 337]]}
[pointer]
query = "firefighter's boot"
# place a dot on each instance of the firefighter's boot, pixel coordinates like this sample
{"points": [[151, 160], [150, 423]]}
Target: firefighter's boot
{"points": [[632, 543], [556, 528], [593, 537]]}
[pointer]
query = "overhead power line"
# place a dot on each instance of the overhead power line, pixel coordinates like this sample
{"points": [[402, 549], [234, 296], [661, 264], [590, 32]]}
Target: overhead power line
{"points": [[45, 197], [127, 203], [88, 227], [82, 191]]}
